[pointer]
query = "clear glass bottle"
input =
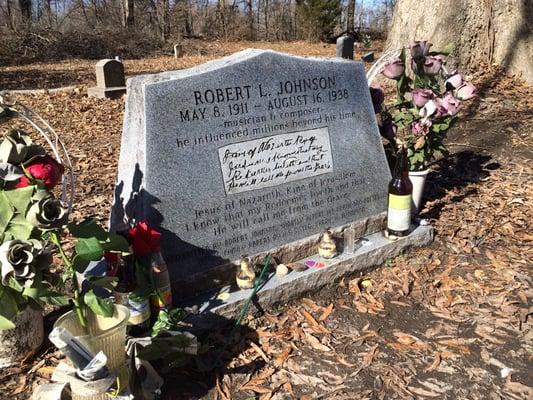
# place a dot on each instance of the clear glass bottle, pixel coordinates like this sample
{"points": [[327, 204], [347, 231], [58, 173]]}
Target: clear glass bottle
{"points": [[163, 298], [349, 240]]}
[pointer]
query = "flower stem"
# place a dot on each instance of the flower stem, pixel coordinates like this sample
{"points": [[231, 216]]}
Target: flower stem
{"points": [[77, 300]]}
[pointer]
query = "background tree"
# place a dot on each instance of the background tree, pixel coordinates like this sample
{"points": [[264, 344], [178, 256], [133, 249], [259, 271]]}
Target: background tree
{"points": [[318, 18], [350, 14], [128, 13]]}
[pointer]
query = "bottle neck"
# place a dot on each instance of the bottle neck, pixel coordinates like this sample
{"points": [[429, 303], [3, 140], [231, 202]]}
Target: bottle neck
{"points": [[401, 169]]}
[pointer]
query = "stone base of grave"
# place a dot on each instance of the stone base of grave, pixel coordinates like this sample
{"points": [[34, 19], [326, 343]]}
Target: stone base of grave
{"points": [[106, 93], [374, 250]]}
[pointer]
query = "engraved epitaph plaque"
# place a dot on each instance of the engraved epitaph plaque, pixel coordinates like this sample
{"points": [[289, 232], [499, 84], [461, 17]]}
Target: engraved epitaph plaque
{"points": [[275, 160], [248, 153]]}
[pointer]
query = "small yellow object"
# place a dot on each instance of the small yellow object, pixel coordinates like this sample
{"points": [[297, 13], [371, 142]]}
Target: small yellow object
{"points": [[366, 283], [223, 296], [282, 270], [245, 274], [327, 247]]}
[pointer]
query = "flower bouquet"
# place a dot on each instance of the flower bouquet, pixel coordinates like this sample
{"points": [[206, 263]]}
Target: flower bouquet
{"points": [[428, 98], [33, 224]]}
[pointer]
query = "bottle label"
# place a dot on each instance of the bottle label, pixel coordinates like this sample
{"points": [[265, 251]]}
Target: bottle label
{"points": [[399, 213], [164, 299], [139, 311]]}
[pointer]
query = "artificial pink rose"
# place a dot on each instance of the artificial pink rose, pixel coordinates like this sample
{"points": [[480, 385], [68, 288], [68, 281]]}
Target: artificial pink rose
{"points": [[378, 97], [420, 49], [45, 169], [454, 81], [422, 96], [448, 106], [421, 128], [433, 65], [394, 69], [466, 91]]}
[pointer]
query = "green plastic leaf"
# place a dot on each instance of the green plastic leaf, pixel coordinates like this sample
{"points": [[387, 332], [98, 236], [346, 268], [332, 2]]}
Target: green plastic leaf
{"points": [[19, 228], [80, 264], [5, 323], [89, 249], [98, 305], [88, 229], [32, 292], [6, 212], [117, 243], [144, 279], [20, 198], [15, 285], [402, 55], [8, 305], [167, 320], [106, 282], [54, 298]]}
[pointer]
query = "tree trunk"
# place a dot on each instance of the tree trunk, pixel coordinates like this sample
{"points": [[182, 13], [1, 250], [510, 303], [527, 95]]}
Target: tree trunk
{"points": [[484, 31], [350, 12], [9, 15], [250, 12], [25, 10], [128, 13], [164, 20]]}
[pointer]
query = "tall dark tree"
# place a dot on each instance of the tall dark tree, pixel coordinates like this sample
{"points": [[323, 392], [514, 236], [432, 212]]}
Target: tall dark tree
{"points": [[25, 10], [318, 18], [128, 10], [350, 16]]}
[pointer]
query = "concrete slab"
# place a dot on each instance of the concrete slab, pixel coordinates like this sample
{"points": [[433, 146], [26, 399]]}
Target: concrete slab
{"points": [[375, 250], [106, 93]]}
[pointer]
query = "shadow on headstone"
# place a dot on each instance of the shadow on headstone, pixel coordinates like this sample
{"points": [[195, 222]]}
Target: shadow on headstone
{"points": [[140, 203]]}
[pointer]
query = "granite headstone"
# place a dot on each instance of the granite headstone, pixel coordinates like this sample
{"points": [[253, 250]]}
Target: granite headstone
{"points": [[344, 47], [248, 154], [110, 81]]}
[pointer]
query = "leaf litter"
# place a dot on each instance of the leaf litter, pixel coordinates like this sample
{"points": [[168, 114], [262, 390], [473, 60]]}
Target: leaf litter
{"points": [[438, 322]]}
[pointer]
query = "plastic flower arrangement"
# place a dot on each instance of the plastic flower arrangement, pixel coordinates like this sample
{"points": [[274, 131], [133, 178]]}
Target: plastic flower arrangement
{"points": [[33, 221], [428, 100]]}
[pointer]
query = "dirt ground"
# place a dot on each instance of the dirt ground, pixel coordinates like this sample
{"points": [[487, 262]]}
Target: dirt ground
{"points": [[450, 321], [49, 75]]}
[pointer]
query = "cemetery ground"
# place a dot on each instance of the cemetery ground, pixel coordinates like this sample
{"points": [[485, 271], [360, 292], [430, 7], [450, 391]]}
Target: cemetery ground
{"points": [[450, 321]]}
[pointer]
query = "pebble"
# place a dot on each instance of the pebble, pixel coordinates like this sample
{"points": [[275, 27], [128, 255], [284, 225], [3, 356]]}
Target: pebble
{"points": [[282, 270]]}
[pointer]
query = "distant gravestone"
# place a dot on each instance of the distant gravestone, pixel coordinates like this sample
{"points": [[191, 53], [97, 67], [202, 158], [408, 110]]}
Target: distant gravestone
{"points": [[110, 81], [257, 152], [178, 51], [345, 47]]}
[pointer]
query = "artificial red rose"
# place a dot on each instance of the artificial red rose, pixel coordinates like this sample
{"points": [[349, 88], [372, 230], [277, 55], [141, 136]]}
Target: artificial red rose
{"points": [[144, 239], [45, 169], [112, 263]]}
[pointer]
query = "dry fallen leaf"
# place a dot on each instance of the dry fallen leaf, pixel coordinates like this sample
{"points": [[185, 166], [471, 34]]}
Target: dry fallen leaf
{"points": [[326, 313], [315, 343]]}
